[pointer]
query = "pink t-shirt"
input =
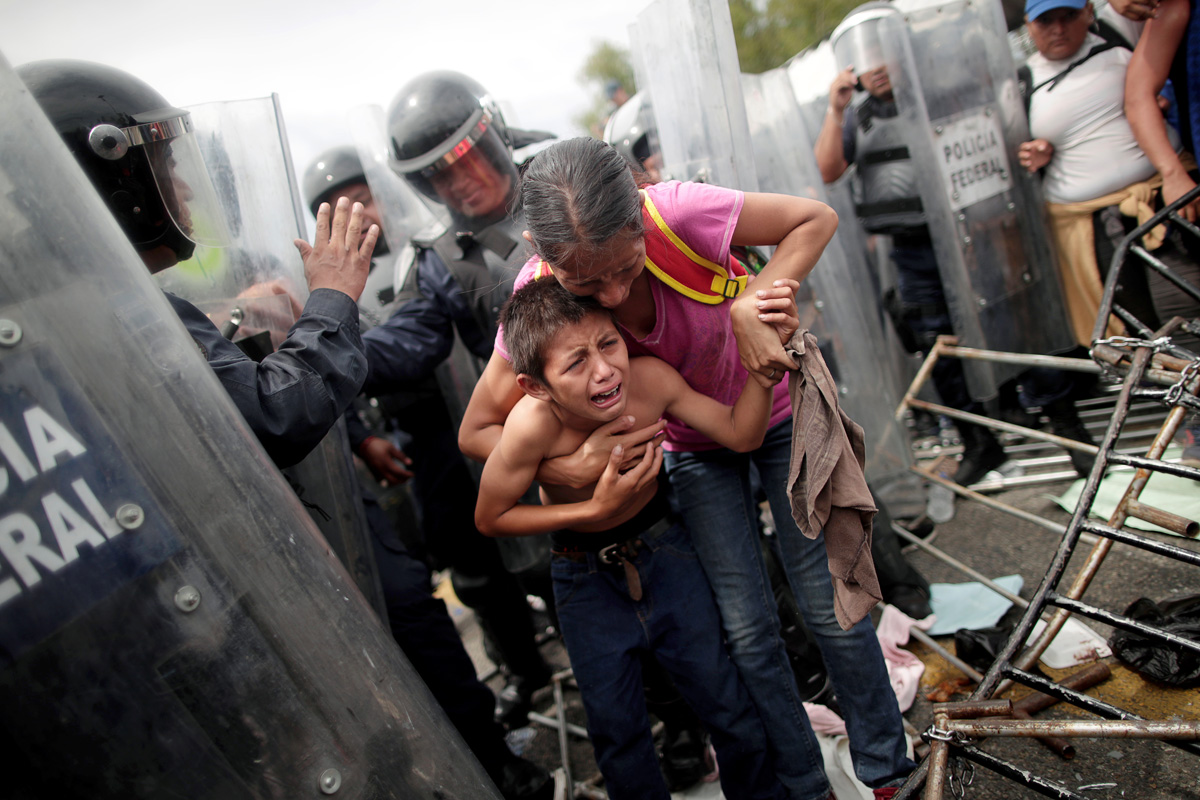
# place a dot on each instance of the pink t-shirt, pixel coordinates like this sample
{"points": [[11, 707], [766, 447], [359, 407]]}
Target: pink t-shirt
{"points": [[695, 338]]}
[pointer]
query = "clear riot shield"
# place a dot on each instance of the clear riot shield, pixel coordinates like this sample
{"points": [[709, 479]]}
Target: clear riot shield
{"points": [[172, 623], [839, 301], [688, 59], [402, 214], [255, 289], [406, 217], [956, 90], [810, 74]]}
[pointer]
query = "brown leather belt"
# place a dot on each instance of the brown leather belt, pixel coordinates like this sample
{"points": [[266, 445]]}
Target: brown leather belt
{"points": [[620, 554]]}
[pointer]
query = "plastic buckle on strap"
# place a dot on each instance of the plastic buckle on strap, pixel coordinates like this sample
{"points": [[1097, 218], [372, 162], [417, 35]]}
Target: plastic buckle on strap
{"points": [[729, 287]]}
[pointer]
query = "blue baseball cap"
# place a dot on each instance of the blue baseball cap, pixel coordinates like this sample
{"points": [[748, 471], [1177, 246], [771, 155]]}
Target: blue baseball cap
{"points": [[1035, 8]]}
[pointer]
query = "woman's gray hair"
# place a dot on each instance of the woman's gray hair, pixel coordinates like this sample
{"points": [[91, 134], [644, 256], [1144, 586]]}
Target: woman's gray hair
{"points": [[578, 194]]}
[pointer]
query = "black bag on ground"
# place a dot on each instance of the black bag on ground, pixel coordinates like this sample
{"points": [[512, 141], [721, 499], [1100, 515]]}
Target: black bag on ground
{"points": [[979, 648], [1172, 664]]}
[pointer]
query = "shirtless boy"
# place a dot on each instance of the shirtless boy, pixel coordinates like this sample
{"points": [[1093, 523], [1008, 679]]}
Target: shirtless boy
{"points": [[626, 579]]}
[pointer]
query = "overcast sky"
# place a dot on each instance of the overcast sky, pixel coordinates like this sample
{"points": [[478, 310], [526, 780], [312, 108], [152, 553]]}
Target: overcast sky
{"points": [[324, 58]]}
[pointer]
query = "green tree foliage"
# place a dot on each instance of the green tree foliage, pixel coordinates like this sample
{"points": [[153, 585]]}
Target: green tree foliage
{"points": [[607, 63], [769, 33]]}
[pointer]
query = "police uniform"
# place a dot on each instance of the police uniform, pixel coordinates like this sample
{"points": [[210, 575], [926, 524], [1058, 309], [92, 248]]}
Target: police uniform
{"points": [[891, 204], [403, 352], [295, 395]]}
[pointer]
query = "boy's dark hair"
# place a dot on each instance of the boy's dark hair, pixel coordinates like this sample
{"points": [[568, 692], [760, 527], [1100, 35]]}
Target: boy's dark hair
{"points": [[534, 315], [579, 194]]}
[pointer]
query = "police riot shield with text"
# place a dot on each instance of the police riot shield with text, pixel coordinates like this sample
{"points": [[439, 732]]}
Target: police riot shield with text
{"points": [[254, 290], [962, 120], [689, 61], [172, 623], [839, 300]]}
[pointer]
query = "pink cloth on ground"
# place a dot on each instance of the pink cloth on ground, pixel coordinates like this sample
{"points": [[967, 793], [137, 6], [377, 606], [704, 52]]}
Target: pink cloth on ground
{"points": [[904, 668], [695, 338]]}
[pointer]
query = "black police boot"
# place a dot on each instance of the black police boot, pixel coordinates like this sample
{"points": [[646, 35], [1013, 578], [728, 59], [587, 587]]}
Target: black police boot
{"points": [[1065, 422], [982, 453], [521, 779], [684, 757], [900, 582], [912, 600], [515, 700]]}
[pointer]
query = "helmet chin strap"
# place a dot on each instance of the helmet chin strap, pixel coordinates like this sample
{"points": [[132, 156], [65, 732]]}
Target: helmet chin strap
{"points": [[173, 239]]}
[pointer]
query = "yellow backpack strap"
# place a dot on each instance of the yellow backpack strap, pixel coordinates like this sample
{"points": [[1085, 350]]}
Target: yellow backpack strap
{"points": [[684, 270]]}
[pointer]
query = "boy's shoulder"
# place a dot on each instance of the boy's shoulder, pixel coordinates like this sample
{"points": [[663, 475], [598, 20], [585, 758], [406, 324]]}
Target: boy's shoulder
{"points": [[529, 412], [643, 368], [533, 426], [651, 378]]}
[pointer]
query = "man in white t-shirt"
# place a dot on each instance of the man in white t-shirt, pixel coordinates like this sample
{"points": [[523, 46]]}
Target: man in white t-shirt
{"points": [[1091, 163], [1076, 107]]}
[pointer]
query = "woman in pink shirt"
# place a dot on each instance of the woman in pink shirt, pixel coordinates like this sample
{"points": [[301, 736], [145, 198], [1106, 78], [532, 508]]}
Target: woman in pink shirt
{"points": [[660, 259]]}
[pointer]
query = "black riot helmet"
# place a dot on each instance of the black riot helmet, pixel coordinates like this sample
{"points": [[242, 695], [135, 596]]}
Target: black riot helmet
{"points": [[138, 150], [331, 172], [334, 169], [631, 130], [448, 139]]}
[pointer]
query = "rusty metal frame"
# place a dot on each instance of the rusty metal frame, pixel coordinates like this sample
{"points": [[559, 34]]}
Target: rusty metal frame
{"points": [[1145, 357]]}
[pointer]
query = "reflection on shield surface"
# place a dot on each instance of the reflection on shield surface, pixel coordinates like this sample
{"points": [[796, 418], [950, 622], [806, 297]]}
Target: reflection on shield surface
{"points": [[254, 289], [171, 621], [956, 92]]}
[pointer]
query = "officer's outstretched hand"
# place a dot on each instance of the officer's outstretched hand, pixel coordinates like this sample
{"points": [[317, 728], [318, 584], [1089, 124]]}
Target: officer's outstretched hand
{"points": [[341, 255]]}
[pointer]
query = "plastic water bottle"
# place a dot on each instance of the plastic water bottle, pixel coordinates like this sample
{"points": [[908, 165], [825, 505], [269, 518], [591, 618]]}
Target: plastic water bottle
{"points": [[939, 505]]}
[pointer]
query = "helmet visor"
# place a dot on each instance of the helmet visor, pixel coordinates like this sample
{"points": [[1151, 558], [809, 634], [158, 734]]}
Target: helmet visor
{"points": [[473, 179], [182, 179], [856, 41]]}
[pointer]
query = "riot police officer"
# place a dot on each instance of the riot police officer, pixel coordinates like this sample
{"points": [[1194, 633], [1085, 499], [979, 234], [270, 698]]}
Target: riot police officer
{"points": [[864, 126], [631, 130], [225, 699], [449, 141], [418, 620], [139, 153], [859, 133]]}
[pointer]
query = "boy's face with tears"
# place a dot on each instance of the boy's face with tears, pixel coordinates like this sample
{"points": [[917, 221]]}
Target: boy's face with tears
{"points": [[586, 365]]}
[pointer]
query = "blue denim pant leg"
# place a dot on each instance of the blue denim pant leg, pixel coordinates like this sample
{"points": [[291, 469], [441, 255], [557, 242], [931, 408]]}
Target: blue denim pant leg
{"points": [[604, 630], [877, 745], [685, 636], [713, 491], [603, 634]]}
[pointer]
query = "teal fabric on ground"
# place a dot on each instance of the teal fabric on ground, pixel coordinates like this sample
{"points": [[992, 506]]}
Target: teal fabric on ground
{"points": [[1169, 492], [969, 605]]}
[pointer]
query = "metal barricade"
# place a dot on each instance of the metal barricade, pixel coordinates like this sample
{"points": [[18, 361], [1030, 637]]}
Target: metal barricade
{"points": [[1153, 366]]}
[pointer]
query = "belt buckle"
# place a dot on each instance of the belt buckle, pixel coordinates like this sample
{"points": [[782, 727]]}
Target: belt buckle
{"points": [[610, 554]]}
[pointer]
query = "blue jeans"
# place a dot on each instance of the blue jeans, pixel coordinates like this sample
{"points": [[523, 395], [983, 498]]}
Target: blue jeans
{"points": [[605, 632], [713, 490]]}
